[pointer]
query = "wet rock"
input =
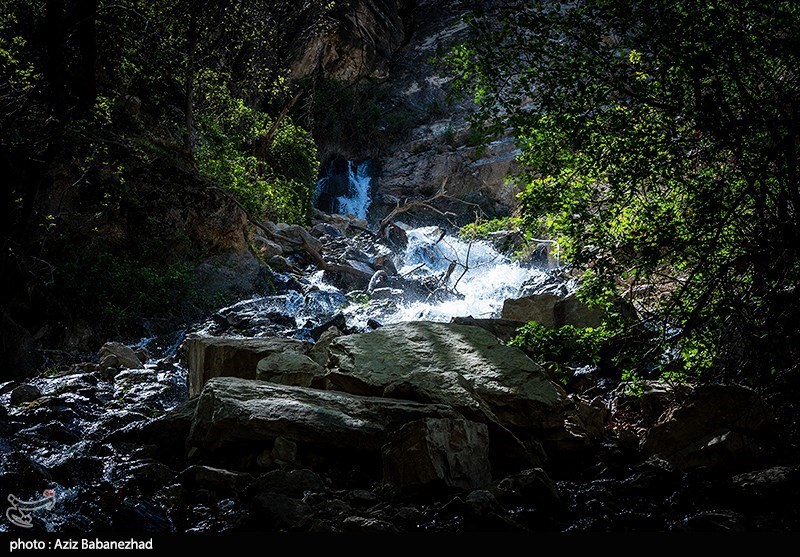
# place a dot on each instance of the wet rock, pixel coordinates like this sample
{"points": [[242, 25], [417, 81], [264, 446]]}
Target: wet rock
{"points": [[483, 513], [364, 524], [530, 487], [387, 294], [146, 476], [337, 322], [552, 310], [168, 431], [24, 393], [435, 453], [294, 483], [713, 521], [115, 355], [653, 477], [716, 426], [781, 483], [216, 480], [135, 515], [289, 368], [236, 412], [51, 431], [278, 512], [209, 357], [324, 229], [7, 387], [462, 366]]}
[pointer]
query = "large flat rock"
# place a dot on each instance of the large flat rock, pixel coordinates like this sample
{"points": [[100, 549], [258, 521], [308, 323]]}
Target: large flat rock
{"points": [[209, 357], [235, 413], [462, 366]]}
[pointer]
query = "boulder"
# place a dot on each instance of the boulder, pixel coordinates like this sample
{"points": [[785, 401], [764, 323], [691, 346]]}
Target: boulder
{"points": [[438, 452], [293, 483], [552, 310], [115, 355], [217, 480], [462, 366], [265, 247], [289, 368], [716, 426], [209, 357], [504, 329], [234, 412], [319, 352], [24, 393]]}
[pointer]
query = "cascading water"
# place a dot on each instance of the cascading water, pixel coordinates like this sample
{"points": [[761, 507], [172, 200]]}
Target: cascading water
{"points": [[345, 189], [439, 276]]}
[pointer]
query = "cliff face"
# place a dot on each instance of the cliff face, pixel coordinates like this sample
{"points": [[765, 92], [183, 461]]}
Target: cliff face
{"points": [[392, 45]]}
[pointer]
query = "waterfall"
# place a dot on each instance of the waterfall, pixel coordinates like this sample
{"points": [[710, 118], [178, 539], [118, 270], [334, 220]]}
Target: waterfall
{"points": [[345, 189]]}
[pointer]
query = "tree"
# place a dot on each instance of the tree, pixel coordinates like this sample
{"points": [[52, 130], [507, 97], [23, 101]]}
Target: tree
{"points": [[660, 145]]}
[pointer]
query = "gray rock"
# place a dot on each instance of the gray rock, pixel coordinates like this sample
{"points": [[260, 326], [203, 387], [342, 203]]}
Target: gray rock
{"points": [[319, 352], [217, 480], [364, 524], [24, 393], [237, 412], [209, 357], [289, 368], [530, 487], [266, 248], [461, 366], [115, 355], [293, 482], [277, 511], [716, 426], [438, 453], [552, 310]]}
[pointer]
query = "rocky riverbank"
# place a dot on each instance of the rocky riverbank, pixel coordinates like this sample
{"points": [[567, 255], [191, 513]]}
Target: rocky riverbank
{"points": [[265, 420]]}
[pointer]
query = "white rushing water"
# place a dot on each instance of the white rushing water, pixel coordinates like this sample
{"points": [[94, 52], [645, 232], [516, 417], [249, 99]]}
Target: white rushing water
{"points": [[358, 200], [481, 278]]}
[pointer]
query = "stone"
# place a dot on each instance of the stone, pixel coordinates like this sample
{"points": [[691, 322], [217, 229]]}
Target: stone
{"points": [[24, 393], [769, 485], [234, 412], [275, 511], [319, 352], [364, 524], [209, 357], [117, 355], [504, 329], [552, 310], [462, 366], [289, 368], [716, 426], [293, 483], [325, 229], [217, 480], [284, 450], [435, 453], [529, 487], [266, 248]]}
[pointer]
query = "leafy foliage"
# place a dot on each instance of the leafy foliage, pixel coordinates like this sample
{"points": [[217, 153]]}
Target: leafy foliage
{"points": [[660, 146]]}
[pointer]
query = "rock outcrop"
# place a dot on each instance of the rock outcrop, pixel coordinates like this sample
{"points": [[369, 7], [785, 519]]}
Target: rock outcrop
{"points": [[235, 413], [209, 357], [462, 366], [716, 426], [552, 310]]}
